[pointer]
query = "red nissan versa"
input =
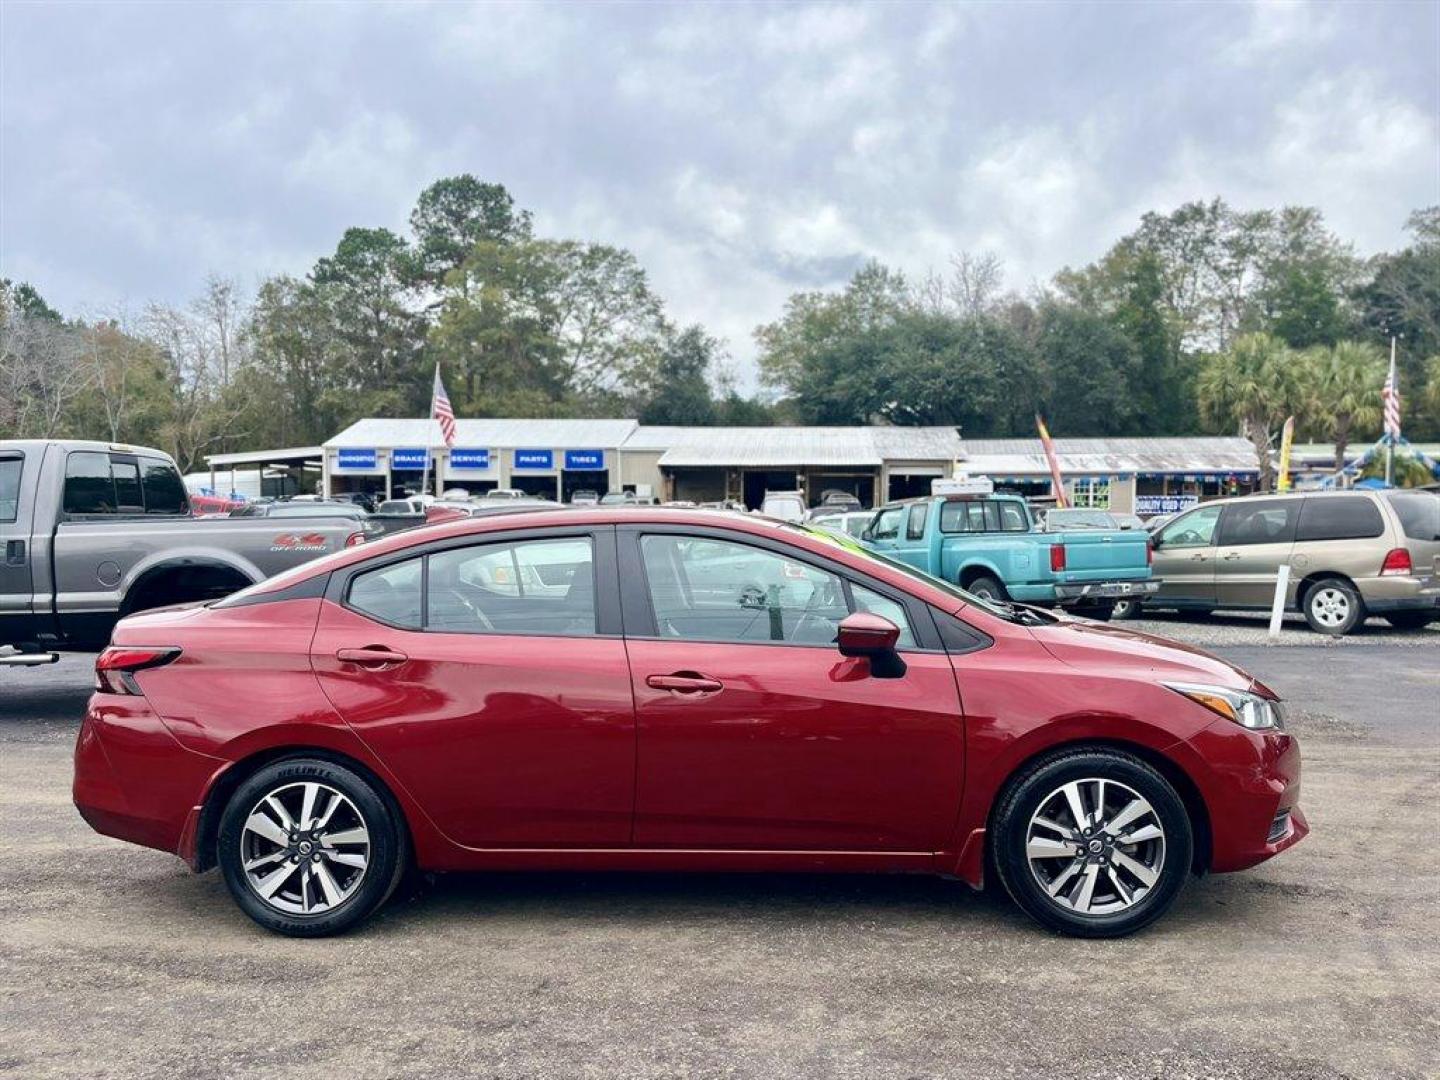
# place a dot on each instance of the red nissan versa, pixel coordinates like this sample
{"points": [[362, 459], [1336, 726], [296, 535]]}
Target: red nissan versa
{"points": [[658, 689]]}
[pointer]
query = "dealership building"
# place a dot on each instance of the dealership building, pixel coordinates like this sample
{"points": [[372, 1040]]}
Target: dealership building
{"points": [[556, 458]]}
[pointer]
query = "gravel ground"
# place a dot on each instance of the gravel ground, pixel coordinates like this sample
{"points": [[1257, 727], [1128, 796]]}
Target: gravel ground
{"points": [[1228, 628], [1324, 963]]}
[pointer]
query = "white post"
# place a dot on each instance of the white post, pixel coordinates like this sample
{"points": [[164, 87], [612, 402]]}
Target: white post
{"points": [[1277, 606]]}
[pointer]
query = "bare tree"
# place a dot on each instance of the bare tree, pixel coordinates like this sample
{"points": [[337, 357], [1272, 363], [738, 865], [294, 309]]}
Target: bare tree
{"points": [[41, 372], [975, 282]]}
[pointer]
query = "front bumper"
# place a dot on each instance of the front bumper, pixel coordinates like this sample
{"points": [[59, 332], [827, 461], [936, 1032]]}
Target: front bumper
{"points": [[1071, 593], [133, 780], [1248, 779]]}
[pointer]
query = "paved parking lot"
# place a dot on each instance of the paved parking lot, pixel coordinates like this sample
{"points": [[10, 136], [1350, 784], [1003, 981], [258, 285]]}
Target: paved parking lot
{"points": [[115, 961]]}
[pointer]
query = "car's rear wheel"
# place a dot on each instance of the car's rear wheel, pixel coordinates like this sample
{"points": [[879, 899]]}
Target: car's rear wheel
{"points": [[1092, 843], [309, 847], [987, 588], [1125, 608], [1333, 606], [1410, 620]]}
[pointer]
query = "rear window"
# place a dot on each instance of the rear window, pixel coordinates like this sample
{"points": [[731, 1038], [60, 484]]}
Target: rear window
{"points": [[1269, 521], [1418, 511], [10, 487], [89, 488], [1339, 517]]}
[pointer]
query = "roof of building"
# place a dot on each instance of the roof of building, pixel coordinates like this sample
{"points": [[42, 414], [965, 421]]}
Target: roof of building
{"points": [[585, 434], [265, 457], [1023, 457], [793, 447]]}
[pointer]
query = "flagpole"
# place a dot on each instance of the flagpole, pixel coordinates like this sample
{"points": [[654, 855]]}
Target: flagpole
{"points": [[1389, 435]]}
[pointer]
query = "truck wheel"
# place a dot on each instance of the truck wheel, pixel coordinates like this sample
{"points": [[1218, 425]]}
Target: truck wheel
{"points": [[1334, 607], [1410, 620], [1126, 609], [1092, 843], [987, 588], [1099, 610]]}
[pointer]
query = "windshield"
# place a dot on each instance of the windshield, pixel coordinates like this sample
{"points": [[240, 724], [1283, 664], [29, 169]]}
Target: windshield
{"points": [[999, 610]]}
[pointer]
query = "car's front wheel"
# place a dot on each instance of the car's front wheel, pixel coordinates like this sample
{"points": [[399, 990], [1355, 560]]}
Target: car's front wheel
{"points": [[1092, 843], [309, 847]]}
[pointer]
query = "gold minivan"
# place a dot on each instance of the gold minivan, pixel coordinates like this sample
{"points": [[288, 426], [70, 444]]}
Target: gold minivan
{"points": [[1351, 554]]}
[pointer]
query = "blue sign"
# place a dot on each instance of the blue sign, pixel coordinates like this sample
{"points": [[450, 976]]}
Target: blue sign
{"points": [[534, 459], [409, 458], [461, 458], [585, 459], [1164, 504], [356, 459]]}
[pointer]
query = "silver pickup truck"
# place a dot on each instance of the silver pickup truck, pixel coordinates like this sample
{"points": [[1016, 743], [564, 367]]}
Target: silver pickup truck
{"points": [[94, 531]]}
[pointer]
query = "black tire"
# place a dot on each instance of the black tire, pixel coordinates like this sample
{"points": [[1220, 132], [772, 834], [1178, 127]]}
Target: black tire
{"points": [[1126, 609], [1410, 620], [387, 851], [1099, 610], [1333, 606], [987, 588], [1036, 786]]}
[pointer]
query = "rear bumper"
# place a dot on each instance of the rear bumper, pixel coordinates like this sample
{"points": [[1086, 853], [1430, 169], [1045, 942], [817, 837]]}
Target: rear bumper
{"points": [[1105, 590], [133, 781], [1252, 779], [1407, 593]]}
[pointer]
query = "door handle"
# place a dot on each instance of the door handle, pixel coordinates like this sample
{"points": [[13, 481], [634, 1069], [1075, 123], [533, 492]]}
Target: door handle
{"points": [[1230, 555], [372, 656], [685, 682], [1197, 557], [15, 553]]}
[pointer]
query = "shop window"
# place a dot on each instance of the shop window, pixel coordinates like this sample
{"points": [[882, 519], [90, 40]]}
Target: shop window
{"points": [[1091, 493]]}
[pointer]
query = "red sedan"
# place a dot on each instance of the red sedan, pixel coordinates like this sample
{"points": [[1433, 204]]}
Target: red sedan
{"points": [[671, 689]]}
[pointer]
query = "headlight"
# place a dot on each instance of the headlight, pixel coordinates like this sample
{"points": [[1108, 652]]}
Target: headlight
{"points": [[1246, 709]]}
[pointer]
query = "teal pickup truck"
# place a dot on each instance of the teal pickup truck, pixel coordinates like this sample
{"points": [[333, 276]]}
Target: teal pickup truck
{"points": [[989, 544]]}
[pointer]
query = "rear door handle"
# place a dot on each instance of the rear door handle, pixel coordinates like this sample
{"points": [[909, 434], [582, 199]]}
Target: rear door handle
{"points": [[15, 553], [1197, 557], [1230, 555], [371, 656], [685, 682]]}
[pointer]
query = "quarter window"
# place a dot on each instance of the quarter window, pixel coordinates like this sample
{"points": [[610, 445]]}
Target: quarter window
{"points": [[391, 593], [1267, 521], [1419, 513], [915, 522], [1339, 517], [714, 590], [164, 493]]}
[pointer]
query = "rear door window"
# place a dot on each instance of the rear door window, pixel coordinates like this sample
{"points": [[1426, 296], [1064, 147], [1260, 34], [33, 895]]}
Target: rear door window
{"points": [[10, 468], [164, 493], [1265, 521], [532, 587], [1339, 517], [89, 487], [127, 486]]}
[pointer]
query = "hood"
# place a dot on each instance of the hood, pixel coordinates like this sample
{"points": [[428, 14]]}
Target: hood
{"points": [[1081, 643]]}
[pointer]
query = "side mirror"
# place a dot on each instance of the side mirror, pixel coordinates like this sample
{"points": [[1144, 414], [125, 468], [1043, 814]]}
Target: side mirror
{"points": [[864, 634], [867, 533]]}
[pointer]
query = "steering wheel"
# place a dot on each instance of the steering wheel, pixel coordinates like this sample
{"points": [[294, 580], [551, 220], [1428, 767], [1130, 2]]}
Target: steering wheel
{"points": [[752, 597]]}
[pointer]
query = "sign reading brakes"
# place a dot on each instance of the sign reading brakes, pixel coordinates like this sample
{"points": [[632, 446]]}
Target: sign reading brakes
{"points": [[963, 485], [409, 458]]}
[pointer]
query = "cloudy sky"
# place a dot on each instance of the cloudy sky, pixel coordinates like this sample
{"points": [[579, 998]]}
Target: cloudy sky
{"points": [[743, 152]]}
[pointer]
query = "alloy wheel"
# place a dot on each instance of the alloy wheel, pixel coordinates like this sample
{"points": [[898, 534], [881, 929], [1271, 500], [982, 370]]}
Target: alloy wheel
{"points": [[1330, 606], [1095, 846], [304, 848]]}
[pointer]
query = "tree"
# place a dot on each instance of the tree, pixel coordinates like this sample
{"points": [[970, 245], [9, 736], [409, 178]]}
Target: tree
{"points": [[679, 392], [1253, 385], [1344, 382], [454, 214], [1093, 371]]}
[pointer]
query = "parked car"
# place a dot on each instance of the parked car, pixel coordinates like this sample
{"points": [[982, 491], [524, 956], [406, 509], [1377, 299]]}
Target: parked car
{"points": [[446, 510], [505, 493], [1352, 554], [584, 497], [835, 499], [364, 500], [785, 505], [851, 523], [988, 544], [624, 498], [401, 506], [620, 688], [93, 531]]}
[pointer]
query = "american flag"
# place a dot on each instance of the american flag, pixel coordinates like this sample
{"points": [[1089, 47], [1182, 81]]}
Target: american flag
{"points": [[440, 410], [1391, 396]]}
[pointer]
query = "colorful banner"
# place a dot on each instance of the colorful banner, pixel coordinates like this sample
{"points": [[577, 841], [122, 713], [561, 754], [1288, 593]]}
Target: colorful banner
{"points": [[1287, 438], [1057, 482]]}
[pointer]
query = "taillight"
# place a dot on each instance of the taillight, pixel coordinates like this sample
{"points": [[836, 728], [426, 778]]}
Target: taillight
{"points": [[115, 667], [1057, 558], [1397, 561], [355, 539]]}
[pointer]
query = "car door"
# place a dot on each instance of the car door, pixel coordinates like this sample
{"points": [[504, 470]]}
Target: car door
{"points": [[754, 733], [910, 545], [885, 529], [1184, 558], [1255, 536], [489, 674]]}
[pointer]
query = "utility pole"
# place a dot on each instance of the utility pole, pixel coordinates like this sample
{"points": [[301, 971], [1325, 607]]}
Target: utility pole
{"points": [[1389, 434]]}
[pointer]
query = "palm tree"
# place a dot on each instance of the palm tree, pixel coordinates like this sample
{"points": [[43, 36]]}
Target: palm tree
{"points": [[1345, 391], [1254, 384]]}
